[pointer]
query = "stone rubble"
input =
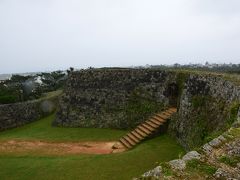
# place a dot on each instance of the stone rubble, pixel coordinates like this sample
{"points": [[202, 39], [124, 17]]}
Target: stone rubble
{"points": [[215, 142], [177, 164], [191, 155], [155, 173], [207, 148], [209, 155]]}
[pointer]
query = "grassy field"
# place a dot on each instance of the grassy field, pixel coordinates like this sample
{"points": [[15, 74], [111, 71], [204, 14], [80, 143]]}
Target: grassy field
{"points": [[114, 166]]}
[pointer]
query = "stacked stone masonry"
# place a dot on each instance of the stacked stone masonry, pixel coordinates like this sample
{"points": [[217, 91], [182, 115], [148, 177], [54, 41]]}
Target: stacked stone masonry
{"points": [[96, 98], [99, 97], [18, 114]]}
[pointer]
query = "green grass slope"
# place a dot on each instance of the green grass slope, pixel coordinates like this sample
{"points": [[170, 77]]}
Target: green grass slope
{"points": [[42, 130], [114, 166]]}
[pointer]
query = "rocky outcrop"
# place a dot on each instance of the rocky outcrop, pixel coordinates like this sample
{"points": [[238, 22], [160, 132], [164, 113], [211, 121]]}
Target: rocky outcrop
{"points": [[114, 98], [18, 114]]}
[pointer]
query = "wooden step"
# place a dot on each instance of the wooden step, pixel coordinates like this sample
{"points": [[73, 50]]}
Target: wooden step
{"points": [[137, 135], [136, 140], [125, 143], [148, 127], [139, 131], [144, 129], [152, 124], [167, 113], [162, 116], [156, 122], [129, 140], [173, 109], [170, 111], [159, 119]]}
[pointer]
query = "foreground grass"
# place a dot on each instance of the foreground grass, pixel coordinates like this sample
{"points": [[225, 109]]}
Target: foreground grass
{"points": [[114, 166], [43, 130]]}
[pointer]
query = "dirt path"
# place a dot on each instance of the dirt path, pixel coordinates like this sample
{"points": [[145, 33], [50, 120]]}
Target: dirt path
{"points": [[63, 148]]}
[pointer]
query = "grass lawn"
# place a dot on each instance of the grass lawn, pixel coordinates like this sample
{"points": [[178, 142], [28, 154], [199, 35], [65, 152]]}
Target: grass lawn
{"points": [[114, 166], [43, 130]]}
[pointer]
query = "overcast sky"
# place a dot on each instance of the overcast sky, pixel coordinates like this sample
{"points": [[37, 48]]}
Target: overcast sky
{"points": [[40, 35]]}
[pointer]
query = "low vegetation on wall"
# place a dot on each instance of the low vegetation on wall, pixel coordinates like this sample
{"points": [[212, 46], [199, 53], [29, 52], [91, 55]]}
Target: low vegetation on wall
{"points": [[114, 98], [208, 105], [123, 98], [18, 114], [139, 106]]}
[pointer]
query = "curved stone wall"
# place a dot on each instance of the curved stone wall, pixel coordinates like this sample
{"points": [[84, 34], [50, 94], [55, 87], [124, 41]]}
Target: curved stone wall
{"points": [[208, 105], [117, 98], [114, 98], [18, 114]]}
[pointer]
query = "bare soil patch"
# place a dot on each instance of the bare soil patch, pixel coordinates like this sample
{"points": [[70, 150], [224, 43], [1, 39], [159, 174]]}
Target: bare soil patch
{"points": [[58, 148]]}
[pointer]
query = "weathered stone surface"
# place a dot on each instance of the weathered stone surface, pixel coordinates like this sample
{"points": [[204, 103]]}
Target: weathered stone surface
{"points": [[154, 173], [177, 164], [17, 114], [205, 106], [215, 142], [191, 155], [207, 148], [233, 149], [221, 138], [100, 97], [220, 174], [238, 165]]}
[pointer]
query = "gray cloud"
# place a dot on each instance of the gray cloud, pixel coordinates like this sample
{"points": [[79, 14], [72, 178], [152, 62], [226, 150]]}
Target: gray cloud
{"points": [[56, 34]]}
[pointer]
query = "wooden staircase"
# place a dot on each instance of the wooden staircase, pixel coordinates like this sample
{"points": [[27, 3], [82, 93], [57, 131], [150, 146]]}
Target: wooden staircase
{"points": [[143, 131]]}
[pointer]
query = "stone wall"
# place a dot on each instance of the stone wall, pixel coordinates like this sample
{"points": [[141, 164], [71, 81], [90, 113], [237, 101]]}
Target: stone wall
{"points": [[123, 98], [18, 114], [208, 105], [114, 98]]}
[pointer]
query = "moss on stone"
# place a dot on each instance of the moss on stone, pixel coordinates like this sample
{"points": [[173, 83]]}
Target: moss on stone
{"points": [[140, 106], [181, 79], [233, 112], [166, 169], [229, 160], [197, 165], [205, 119], [235, 132], [199, 101], [212, 135]]}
